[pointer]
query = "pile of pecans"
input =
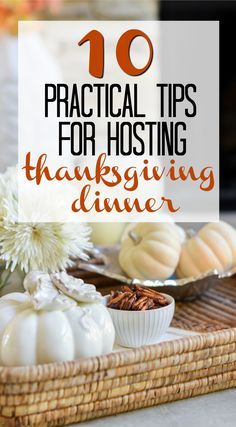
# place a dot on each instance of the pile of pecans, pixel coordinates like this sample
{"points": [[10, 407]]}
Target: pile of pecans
{"points": [[136, 298]]}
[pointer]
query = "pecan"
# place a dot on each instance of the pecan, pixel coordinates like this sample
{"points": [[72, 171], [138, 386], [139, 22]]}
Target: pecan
{"points": [[123, 303], [131, 301], [126, 289], [140, 303], [136, 298], [151, 293], [115, 299], [150, 304]]}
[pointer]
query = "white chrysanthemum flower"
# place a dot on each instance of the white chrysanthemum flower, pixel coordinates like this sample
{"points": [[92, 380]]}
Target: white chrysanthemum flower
{"points": [[44, 246], [36, 246]]}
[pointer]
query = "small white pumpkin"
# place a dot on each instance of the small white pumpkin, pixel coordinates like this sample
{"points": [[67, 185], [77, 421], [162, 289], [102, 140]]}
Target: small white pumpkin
{"points": [[213, 247], [151, 250], [44, 327]]}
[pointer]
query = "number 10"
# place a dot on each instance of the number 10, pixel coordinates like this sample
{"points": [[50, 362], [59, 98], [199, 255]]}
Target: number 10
{"points": [[96, 56]]}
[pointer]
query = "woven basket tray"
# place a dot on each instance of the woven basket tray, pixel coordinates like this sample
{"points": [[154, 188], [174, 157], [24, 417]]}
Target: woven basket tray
{"points": [[64, 393]]}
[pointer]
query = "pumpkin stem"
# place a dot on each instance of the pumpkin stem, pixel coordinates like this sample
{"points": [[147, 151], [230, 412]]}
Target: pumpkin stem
{"points": [[134, 237], [190, 233]]}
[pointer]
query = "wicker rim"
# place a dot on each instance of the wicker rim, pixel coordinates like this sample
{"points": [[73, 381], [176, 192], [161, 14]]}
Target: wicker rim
{"points": [[119, 359]]}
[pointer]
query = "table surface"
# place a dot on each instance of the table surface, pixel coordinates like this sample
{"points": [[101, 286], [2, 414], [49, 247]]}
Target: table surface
{"points": [[211, 410]]}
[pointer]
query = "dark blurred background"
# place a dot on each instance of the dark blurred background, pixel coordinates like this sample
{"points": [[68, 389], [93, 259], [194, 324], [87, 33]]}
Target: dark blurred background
{"points": [[225, 12]]}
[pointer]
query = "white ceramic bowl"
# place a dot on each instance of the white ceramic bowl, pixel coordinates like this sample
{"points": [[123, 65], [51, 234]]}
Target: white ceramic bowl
{"points": [[137, 328]]}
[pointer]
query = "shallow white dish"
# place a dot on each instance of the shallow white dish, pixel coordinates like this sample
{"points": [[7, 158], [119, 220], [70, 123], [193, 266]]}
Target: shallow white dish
{"points": [[137, 328]]}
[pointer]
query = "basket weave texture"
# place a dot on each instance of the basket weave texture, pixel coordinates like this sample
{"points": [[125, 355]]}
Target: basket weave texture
{"points": [[69, 392], [213, 311]]}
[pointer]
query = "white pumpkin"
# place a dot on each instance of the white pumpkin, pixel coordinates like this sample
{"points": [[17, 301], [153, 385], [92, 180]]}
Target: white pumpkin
{"points": [[151, 250], [161, 225], [59, 329], [213, 247]]}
